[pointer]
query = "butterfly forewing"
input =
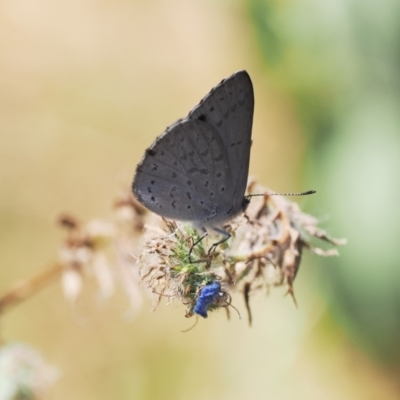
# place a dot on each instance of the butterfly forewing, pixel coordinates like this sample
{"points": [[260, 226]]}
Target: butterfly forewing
{"points": [[229, 108]]}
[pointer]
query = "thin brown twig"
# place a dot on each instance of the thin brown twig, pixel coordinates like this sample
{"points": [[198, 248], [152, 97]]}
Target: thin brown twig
{"points": [[25, 289]]}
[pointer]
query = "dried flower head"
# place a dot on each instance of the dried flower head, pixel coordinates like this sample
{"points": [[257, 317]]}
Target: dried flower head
{"points": [[265, 250], [104, 250], [83, 247], [129, 212]]}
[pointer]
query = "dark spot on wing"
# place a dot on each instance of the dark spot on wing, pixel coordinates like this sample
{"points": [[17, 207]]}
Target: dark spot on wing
{"points": [[151, 152], [202, 117]]}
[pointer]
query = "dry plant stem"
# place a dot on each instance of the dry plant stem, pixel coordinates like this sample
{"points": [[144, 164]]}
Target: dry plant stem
{"points": [[24, 290]]}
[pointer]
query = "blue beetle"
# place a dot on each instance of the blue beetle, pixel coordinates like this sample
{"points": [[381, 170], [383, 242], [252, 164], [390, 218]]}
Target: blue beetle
{"points": [[209, 294]]}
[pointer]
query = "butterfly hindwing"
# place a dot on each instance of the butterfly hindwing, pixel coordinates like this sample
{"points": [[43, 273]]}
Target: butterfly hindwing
{"points": [[185, 173]]}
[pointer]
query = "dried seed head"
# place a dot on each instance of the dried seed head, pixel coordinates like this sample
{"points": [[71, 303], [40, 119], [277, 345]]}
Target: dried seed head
{"points": [[265, 250], [129, 212]]}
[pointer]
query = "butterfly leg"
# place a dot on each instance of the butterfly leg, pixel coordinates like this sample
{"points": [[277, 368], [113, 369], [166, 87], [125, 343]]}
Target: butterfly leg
{"points": [[226, 234], [196, 243]]}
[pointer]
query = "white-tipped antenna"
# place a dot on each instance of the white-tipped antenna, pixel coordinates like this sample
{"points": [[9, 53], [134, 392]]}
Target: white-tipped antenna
{"points": [[285, 194]]}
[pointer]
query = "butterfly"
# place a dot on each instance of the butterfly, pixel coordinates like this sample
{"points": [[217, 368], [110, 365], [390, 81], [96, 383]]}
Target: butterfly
{"points": [[197, 169]]}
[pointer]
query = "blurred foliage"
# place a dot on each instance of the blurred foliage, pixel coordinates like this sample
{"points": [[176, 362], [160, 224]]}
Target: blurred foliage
{"points": [[24, 374], [341, 61]]}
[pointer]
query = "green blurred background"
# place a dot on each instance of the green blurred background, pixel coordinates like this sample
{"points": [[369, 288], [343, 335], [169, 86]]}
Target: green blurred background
{"points": [[86, 85]]}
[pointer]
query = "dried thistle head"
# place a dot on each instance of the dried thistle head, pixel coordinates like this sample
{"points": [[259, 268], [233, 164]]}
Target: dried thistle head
{"points": [[104, 250], [84, 247], [129, 213], [265, 250], [170, 272]]}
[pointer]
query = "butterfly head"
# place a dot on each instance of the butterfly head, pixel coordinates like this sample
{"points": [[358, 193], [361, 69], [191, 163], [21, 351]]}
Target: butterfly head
{"points": [[245, 203]]}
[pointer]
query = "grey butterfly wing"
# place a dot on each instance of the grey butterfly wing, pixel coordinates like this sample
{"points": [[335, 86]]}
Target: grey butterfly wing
{"points": [[229, 108], [185, 173]]}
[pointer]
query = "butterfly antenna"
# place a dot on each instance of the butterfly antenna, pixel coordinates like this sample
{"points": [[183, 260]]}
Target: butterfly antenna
{"points": [[285, 194]]}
